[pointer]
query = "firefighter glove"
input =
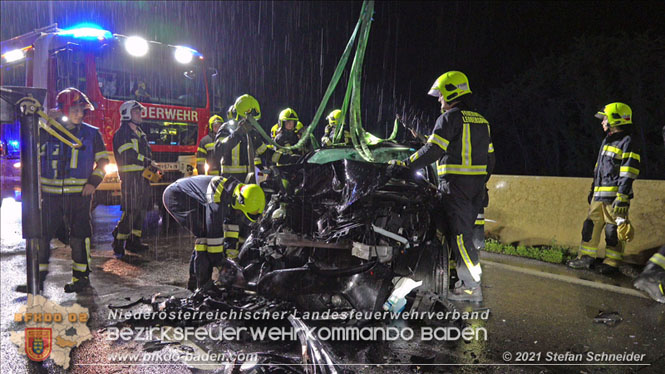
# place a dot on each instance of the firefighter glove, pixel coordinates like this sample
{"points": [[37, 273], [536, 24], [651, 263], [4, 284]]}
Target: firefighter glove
{"points": [[620, 208], [625, 231]]}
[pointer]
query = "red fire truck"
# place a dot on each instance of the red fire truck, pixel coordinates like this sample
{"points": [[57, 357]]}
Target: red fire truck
{"points": [[171, 81]]}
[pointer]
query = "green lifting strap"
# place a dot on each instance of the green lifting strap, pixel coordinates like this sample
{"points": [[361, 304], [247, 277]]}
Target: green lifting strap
{"points": [[361, 139]]}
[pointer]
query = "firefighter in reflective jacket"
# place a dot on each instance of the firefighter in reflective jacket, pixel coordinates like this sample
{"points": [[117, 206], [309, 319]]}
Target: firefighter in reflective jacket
{"points": [[286, 131], [617, 166], [287, 114], [213, 208], [69, 177], [652, 278], [206, 152], [461, 145], [329, 132], [232, 150], [132, 153]]}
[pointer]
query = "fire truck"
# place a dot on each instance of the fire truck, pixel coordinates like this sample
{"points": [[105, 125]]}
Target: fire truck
{"points": [[172, 82]]}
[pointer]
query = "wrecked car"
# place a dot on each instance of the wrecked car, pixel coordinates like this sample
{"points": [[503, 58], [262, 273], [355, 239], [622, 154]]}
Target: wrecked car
{"points": [[337, 230]]}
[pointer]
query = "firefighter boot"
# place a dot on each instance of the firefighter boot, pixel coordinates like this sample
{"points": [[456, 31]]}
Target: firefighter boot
{"points": [[134, 245], [583, 262], [652, 287], [77, 285], [462, 292], [118, 245]]}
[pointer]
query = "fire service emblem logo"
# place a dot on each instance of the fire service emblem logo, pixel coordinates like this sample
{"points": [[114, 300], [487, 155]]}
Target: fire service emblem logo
{"points": [[38, 343]]}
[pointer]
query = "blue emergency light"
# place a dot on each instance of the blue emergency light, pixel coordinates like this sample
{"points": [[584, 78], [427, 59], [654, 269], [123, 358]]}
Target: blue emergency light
{"points": [[88, 31]]}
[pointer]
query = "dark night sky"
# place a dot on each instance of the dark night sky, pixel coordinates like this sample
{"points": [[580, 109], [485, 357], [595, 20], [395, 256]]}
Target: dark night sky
{"points": [[274, 50]]}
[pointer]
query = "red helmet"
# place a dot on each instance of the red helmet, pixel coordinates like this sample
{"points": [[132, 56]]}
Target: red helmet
{"points": [[72, 96]]}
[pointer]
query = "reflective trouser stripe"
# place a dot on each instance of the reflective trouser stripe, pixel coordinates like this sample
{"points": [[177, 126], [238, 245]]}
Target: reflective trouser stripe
{"points": [[201, 247], [232, 253], [614, 255], [79, 267], [658, 259], [43, 267], [137, 233], [231, 234], [473, 269], [213, 172], [590, 251], [479, 222], [215, 248]]}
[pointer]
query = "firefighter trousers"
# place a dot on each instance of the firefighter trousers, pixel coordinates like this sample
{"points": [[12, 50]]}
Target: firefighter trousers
{"points": [[601, 218], [205, 222], [130, 225], [460, 206], [74, 211], [479, 231]]}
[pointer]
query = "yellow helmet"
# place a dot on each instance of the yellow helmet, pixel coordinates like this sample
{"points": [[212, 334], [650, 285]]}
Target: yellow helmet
{"points": [[231, 112], [246, 105], [334, 116], [451, 85], [249, 199], [617, 114], [214, 119], [289, 114]]}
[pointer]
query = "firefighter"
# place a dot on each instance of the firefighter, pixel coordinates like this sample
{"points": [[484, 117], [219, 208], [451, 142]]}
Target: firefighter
{"points": [[212, 208], [232, 150], [617, 166], [206, 152], [69, 178], [288, 128], [329, 132], [132, 154], [461, 143]]}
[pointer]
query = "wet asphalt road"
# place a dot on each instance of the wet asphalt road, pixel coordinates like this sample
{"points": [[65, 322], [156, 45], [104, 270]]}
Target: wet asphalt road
{"points": [[536, 311]]}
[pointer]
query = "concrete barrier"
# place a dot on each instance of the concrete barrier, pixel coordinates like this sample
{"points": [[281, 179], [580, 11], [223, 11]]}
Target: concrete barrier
{"points": [[550, 210]]}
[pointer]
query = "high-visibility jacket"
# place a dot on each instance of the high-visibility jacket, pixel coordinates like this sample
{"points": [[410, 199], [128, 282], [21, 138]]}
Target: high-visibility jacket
{"points": [[617, 166], [329, 136], [65, 170], [206, 154], [460, 143], [131, 150], [132, 154], [231, 150]]}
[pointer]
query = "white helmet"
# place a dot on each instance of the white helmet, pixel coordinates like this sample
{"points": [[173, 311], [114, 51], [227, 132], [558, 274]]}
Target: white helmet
{"points": [[126, 109]]}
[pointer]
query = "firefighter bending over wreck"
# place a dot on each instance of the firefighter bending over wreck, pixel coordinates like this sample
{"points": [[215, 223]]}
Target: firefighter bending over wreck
{"points": [[618, 165], [462, 146], [211, 208], [69, 178], [133, 155]]}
